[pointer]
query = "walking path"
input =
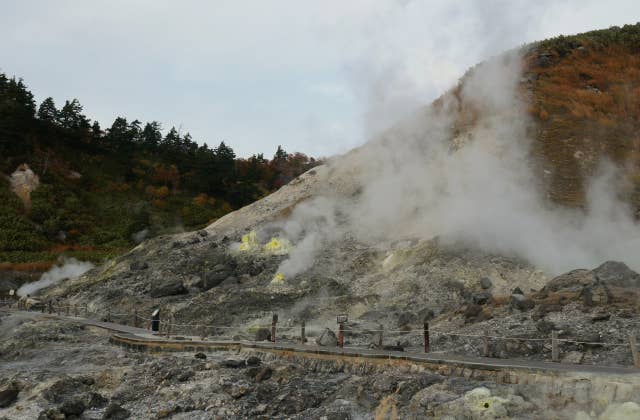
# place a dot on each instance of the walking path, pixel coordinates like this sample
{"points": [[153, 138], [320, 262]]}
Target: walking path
{"points": [[142, 338]]}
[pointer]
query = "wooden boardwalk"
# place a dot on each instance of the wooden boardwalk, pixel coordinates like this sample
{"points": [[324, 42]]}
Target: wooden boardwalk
{"points": [[143, 339]]}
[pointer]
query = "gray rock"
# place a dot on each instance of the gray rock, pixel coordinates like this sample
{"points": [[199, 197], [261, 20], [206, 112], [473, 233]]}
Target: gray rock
{"points": [[186, 375], [73, 407], [426, 315], [617, 274], [233, 363], [406, 318], [603, 316], [573, 281], [327, 339], [521, 303], [545, 327], [544, 309], [481, 298], [95, 400], [595, 295], [168, 288], [575, 357], [253, 361], [116, 412], [215, 277], [52, 414], [485, 283], [138, 265], [472, 310]]}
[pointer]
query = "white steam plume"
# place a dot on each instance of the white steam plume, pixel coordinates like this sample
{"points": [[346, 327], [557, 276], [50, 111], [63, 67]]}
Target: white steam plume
{"points": [[70, 269], [475, 185]]}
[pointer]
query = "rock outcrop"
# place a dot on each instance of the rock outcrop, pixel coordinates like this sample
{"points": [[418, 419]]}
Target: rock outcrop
{"points": [[23, 182]]}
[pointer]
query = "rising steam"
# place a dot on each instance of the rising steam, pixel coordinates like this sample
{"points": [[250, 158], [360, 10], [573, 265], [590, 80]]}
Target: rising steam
{"points": [[70, 269], [474, 185]]}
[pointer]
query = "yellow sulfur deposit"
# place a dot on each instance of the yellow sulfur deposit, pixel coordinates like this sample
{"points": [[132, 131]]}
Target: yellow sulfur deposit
{"points": [[249, 242], [278, 279], [277, 246]]}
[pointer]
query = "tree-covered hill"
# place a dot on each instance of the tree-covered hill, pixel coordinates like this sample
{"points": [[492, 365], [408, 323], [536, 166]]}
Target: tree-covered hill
{"points": [[103, 189]]}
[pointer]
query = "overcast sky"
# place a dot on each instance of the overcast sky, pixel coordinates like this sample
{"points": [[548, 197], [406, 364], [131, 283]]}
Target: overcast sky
{"points": [[314, 76]]}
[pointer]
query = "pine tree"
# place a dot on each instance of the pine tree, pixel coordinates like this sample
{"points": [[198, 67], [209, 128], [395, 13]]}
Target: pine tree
{"points": [[280, 154], [48, 111], [171, 140], [151, 135], [96, 130], [70, 116]]}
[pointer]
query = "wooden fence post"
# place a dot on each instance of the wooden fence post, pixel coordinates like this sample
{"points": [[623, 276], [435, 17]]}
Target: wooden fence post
{"points": [[554, 347], [109, 316], [274, 321], [426, 337], [341, 335], [485, 344], [380, 336], [634, 350], [303, 334]]}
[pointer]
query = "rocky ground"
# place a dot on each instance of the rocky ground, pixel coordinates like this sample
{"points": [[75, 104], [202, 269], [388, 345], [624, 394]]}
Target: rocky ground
{"points": [[225, 277], [54, 369]]}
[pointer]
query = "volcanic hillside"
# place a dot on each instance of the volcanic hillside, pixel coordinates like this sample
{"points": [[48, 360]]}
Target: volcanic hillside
{"points": [[424, 221]]}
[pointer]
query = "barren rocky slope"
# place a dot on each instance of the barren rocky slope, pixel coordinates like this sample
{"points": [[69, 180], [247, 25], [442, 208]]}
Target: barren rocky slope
{"points": [[39, 380]]}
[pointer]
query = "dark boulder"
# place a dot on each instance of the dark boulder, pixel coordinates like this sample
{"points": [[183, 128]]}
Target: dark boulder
{"points": [[253, 361], [95, 400], [186, 375], [327, 339], [602, 316], [521, 302], [598, 294], [392, 347], [138, 265], [264, 374], [200, 355], [573, 281], [617, 274], [517, 291], [544, 309], [426, 314], [472, 310], [116, 412], [8, 396], [545, 327], [233, 363], [168, 288], [217, 275], [52, 414], [73, 407], [481, 298], [406, 318], [485, 283], [263, 334]]}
